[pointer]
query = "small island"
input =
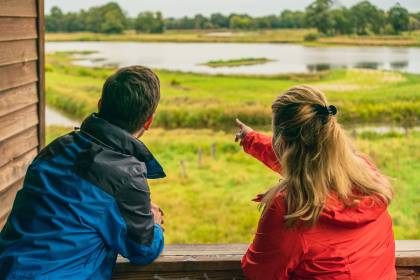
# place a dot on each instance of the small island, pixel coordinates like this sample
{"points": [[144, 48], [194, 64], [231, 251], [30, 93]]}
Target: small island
{"points": [[237, 62]]}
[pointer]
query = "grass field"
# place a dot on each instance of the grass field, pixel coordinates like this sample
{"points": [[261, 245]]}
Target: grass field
{"points": [[205, 101], [208, 201], [237, 62], [211, 202], [229, 36]]}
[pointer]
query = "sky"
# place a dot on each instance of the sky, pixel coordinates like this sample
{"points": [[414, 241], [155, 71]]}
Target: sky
{"points": [[179, 8]]}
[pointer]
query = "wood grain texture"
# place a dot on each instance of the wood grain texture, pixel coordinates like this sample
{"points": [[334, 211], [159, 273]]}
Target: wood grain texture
{"points": [[223, 262], [18, 122], [16, 75], [18, 51], [41, 72], [15, 170], [18, 98], [18, 8], [15, 146], [7, 198], [15, 28]]}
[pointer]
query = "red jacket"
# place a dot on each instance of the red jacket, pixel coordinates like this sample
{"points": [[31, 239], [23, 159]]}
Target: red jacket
{"points": [[347, 243]]}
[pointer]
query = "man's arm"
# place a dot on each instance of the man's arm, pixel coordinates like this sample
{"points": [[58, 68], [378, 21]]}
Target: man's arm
{"points": [[130, 226]]}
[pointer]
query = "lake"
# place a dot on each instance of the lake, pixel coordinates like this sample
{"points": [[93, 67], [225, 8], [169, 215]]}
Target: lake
{"points": [[287, 58]]}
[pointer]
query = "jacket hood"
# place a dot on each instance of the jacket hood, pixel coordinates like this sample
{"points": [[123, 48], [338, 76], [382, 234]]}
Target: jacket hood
{"points": [[367, 210], [120, 140]]}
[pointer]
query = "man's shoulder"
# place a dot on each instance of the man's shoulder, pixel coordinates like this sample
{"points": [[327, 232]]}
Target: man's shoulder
{"points": [[111, 170]]}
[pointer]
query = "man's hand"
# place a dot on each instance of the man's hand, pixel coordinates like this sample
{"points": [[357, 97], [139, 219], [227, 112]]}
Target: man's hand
{"points": [[157, 214], [243, 130]]}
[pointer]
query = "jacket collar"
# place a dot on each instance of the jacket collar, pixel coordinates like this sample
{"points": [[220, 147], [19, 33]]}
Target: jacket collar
{"points": [[122, 141]]}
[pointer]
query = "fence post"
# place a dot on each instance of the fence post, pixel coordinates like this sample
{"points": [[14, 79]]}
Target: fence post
{"points": [[183, 169], [213, 150], [200, 156]]}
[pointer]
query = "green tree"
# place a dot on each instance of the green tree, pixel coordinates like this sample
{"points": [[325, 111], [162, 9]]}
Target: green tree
{"points": [[241, 22], [219, 21], [318, 16], [341, 21], [150, 22], [108, 18], [54, 22], [367, 18], [399, 18], [292, 19]]}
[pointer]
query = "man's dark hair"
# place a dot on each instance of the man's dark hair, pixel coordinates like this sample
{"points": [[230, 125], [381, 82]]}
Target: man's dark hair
{"points": [[130, 97]]}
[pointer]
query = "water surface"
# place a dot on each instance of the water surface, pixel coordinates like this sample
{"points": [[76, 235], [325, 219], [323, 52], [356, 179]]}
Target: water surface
{"points": [[288, 58]]}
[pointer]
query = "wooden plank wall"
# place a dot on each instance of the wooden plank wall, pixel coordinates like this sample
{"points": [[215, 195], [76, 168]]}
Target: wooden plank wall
{"points": [[21, 93]]}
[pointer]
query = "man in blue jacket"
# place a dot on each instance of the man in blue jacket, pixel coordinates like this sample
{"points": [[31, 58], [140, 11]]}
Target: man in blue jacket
{"points": [[85, 197]]}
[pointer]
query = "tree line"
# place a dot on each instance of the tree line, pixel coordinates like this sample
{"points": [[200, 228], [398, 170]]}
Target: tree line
{"points": [[325, 15]]}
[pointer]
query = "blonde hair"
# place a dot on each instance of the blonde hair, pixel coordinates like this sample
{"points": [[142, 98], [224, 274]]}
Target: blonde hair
{"points": [[318, 159]]}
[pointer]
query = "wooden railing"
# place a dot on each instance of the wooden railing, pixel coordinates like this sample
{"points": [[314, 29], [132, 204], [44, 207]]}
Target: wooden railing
{"points": [[223, 262]]}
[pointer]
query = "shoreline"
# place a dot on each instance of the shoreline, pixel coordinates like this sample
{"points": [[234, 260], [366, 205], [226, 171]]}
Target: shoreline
{"points": [[278, 36]]}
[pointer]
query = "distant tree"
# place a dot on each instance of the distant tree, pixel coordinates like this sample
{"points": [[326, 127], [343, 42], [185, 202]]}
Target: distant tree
{"points": [[292, 19], [241, 22], [318, 16], [367, 18], [150, 22], [54, 22], [73, 22], [219, 21], [108, 18], [201, 22], [341, 21], [414, 22], [399, 18]]}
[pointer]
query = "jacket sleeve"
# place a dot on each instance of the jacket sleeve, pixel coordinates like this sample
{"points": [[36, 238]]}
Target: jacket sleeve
{"points": [[129, 226], [276, 251], [259, 146]]}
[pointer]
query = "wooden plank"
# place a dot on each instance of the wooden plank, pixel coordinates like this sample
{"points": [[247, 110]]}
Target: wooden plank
{"points": [[18, 121], [18, 98], [14, 28], [15, 170], [17, 8], [41, 73], [407, 253], [17, 51], [6, 201], [18, 145], [16, 75], [223, 262], [181, 275]]}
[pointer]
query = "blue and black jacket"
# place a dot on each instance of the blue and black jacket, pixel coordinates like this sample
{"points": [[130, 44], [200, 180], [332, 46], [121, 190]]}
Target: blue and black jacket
{"points": [[85, 199]]}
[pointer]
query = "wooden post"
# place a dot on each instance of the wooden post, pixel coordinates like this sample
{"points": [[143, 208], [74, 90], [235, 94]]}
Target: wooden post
{"points": [[213, 150], [200, 156], [183, 169]]}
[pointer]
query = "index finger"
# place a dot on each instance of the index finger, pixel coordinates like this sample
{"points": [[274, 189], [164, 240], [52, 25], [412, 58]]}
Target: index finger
{"points": [[239, 123]]}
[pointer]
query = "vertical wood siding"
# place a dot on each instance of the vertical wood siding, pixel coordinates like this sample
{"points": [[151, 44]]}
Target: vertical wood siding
{"points": [[21, 94]]}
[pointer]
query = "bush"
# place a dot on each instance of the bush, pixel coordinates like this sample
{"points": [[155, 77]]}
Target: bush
{"points": [[311, 37]]}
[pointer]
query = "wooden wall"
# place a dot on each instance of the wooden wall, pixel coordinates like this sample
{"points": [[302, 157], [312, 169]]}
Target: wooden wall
{"points": [[21, 93]]}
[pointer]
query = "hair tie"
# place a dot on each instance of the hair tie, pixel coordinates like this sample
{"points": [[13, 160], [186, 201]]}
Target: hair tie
{"points": [[325, 111], [332, 110]]}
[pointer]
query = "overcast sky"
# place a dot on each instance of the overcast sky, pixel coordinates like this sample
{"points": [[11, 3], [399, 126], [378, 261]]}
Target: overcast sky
{"points": [[178, 8]]}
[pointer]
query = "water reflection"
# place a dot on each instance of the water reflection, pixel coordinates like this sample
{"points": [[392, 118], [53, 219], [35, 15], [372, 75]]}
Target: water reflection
{"points": [[399, 65], [368, 65]]}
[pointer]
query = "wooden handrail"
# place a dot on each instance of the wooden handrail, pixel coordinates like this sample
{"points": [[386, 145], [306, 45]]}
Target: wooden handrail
{"points": [[222, 261]]}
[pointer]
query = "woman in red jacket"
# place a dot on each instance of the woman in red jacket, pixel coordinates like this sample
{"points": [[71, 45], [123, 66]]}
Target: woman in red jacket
{"points": [[327, 218]]}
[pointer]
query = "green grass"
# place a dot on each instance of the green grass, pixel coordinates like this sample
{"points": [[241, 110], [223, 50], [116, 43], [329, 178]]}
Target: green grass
{"points": [[237, 62], [208, 101], [212, 204], [235, 36]]}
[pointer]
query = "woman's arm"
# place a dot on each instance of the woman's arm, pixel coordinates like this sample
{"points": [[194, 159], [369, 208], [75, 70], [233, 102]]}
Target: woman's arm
{"points": [[276, 251], [259, 146]]}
